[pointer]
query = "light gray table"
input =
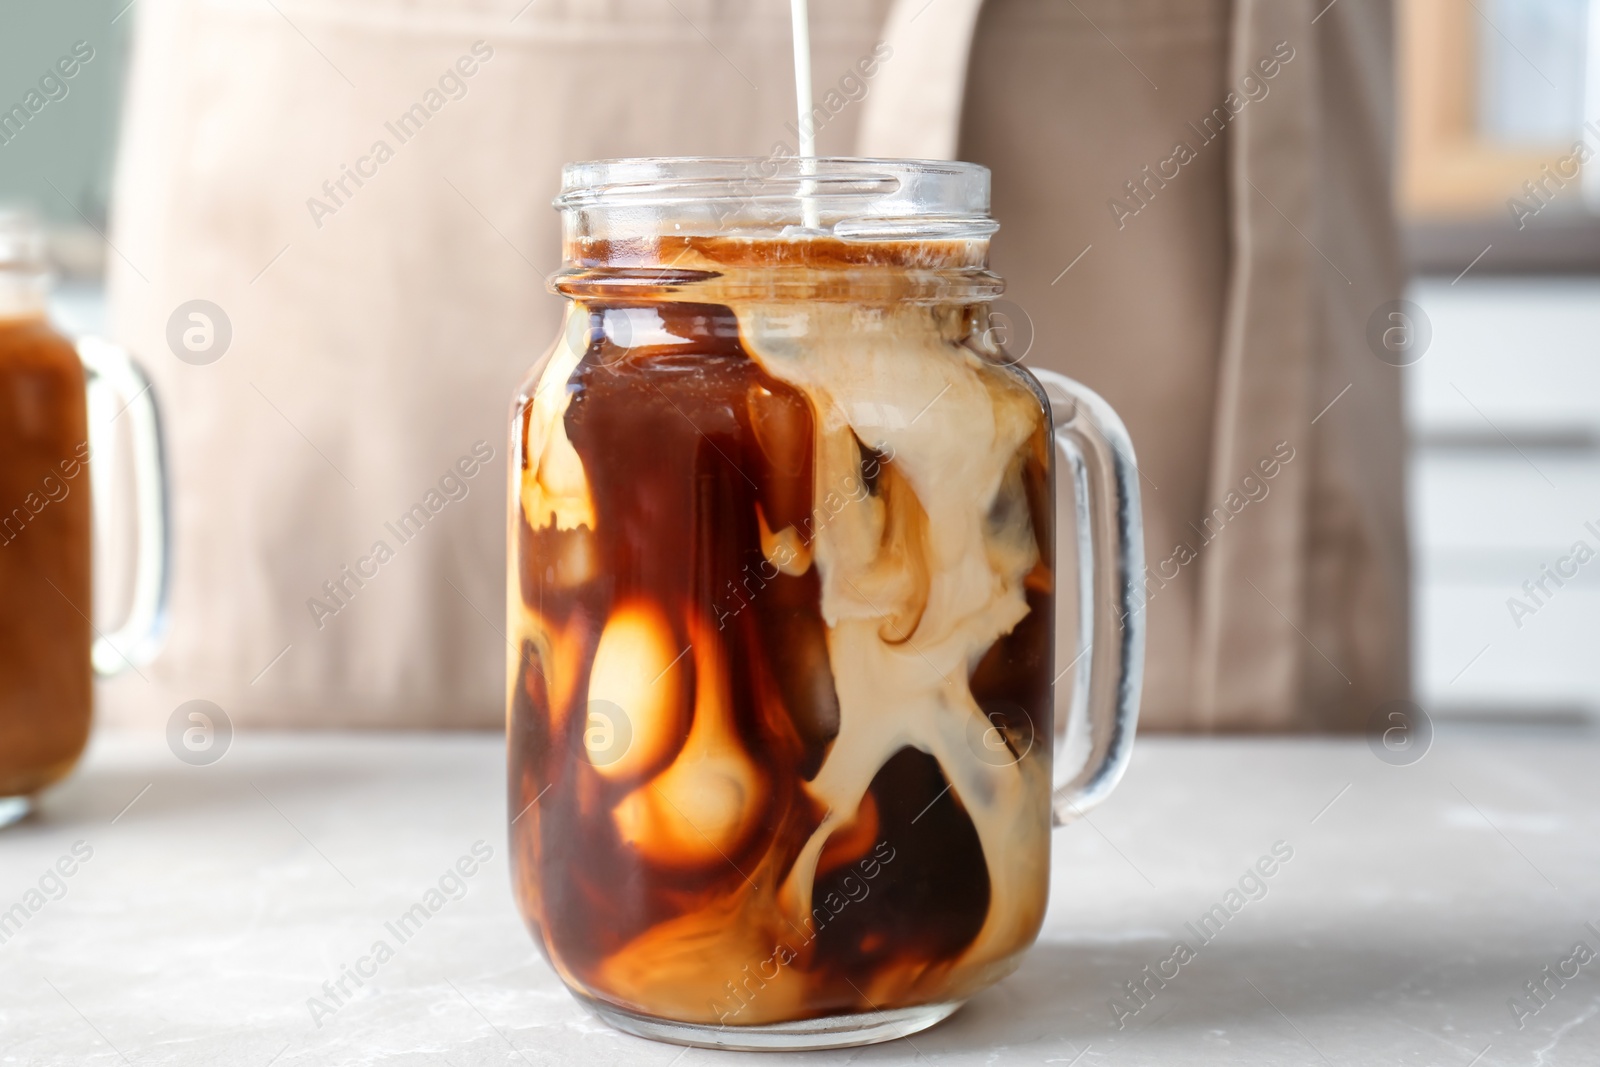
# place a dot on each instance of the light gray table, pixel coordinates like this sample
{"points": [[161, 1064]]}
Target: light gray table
{"points": [[1418, 901]]}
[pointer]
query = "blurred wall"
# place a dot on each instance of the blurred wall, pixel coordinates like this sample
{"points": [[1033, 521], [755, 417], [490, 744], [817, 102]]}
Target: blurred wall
{"points": [[59, 161]]}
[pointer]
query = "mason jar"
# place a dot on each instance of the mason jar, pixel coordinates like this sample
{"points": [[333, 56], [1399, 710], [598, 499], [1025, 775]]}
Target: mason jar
{"points": [[782, 604], [67, 409]]}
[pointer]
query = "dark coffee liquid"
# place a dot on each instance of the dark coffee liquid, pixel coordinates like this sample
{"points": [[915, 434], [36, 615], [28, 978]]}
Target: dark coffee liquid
{"points": [[656, 878], [45, 635]]}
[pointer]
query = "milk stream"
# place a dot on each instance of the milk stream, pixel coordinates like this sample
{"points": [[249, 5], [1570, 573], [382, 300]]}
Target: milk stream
{"points": [[865, 382], [800, 22]]}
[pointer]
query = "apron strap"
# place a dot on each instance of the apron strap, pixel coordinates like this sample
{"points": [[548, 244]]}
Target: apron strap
{"points": [[1249, 641], [914, 108]]}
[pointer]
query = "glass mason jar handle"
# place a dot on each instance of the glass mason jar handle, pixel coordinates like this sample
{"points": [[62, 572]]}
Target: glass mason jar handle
{"points": [[1108, 665], [116, 388]]}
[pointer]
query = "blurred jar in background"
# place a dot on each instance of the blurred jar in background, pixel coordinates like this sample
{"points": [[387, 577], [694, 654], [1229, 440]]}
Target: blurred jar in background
{"points": [[45, 635], [48, 647]]}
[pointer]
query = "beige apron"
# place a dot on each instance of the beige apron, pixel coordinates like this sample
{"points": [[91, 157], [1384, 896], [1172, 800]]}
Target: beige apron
{"points": [[384, 304], [1285, 612]]}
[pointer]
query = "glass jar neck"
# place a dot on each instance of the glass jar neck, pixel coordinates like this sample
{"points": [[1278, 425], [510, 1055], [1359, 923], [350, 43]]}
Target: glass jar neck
{"points": [[24, 292], [739, 230], [745, 269], [24, 276]]}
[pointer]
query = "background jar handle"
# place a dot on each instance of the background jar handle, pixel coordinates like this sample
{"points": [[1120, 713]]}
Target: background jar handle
{"points": [[1108, 663], [117, 389]]}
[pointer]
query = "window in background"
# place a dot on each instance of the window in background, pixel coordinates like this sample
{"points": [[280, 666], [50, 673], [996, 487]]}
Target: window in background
{"points": [[1499, 106], [1531, 69]]}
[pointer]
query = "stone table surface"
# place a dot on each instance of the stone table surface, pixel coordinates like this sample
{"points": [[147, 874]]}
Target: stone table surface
{"points": [[207, 905]]}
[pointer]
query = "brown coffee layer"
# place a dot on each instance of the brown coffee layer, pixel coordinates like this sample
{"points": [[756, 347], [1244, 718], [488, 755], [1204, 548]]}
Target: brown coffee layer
{"points": [[722, 251], [45, 635]]}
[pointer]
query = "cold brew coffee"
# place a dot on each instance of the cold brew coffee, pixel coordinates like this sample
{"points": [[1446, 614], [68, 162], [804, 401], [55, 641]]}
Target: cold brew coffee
{"points": [[781, 609]]}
